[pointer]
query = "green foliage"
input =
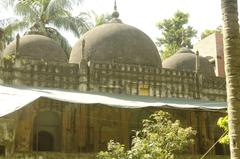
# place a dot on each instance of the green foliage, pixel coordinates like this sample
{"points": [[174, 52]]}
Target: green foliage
{"points": [[208, 32], [37, 16], [102, 19], [223, 123], [10, 58], [160, 138], [9, 27], [115, 151], [175, 34]]}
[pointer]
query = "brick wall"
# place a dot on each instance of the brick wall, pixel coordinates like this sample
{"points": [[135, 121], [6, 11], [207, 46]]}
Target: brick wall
{"points": [[112, 78]]}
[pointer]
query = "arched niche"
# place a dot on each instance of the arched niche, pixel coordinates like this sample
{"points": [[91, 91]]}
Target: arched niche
{"points": [[47, 132]]}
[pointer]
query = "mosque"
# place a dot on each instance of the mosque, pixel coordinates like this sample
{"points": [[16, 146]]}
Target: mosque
{"points": [[113, 79]]}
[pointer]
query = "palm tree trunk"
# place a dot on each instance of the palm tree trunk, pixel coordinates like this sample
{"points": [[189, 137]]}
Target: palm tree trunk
{"points": [[232, 69]]}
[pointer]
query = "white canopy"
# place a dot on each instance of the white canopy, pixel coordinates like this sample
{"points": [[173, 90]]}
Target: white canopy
{"points": [[14, 98]]}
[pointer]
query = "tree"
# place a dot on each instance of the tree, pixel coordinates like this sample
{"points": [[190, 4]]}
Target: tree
{"points": [[175, 34], [102, 18], [160, 138], [9, 26], [40, 16], [231, 42], [208, 32]]}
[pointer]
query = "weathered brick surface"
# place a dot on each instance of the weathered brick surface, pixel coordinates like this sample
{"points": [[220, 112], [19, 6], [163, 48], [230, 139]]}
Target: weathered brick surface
{"points": [[88, 128], [112, 78]]}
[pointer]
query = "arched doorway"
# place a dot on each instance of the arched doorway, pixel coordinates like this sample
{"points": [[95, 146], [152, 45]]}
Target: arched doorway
{"points": [[47, 132], [45, 141]]}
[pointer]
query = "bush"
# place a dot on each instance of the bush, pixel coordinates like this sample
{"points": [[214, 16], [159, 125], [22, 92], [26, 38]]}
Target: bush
{"points": [[160, 138]]}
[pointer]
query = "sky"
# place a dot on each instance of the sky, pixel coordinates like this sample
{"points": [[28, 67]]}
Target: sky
{"points": [[144, 14]]}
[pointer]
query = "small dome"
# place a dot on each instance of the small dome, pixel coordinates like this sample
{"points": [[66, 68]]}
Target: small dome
{"points": [[185, 59], [119, 43], [37, 47]]}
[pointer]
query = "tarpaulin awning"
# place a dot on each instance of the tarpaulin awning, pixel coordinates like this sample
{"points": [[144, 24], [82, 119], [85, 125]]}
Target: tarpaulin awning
{"points": [[14, 98]]}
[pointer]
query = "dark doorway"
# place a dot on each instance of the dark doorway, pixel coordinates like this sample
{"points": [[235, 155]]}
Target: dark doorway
{"points": [[47, 132], [45, 142], [2, 150]]}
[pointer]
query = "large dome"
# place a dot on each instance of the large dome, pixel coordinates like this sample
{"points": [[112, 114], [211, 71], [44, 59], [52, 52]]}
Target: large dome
{"points": [[185, 59], [37, 47], [119, 43]]}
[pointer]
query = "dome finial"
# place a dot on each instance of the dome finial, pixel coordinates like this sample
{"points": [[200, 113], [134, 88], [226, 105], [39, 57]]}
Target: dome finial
{"points": [[115, 5], [17, 43], [115, 14], [197, 62]]}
